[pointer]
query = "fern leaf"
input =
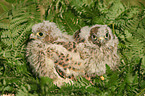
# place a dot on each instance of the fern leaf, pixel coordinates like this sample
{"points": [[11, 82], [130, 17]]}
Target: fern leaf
{"points": [[4, 25], [115, 10], [21, 37]]}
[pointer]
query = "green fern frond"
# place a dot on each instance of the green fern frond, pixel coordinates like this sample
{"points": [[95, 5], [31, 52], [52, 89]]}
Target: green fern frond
{"points": [[20, 40], [70, 24], [70, 15], [15, 30], [115, 10], [3, 25]]}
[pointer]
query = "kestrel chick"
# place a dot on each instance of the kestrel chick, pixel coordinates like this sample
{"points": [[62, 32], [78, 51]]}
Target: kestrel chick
{"points": [[97, 46]]}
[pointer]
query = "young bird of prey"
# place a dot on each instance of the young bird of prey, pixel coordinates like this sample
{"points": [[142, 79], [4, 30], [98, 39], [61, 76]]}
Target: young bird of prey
{"points": [[97, 46], [53, 54]]}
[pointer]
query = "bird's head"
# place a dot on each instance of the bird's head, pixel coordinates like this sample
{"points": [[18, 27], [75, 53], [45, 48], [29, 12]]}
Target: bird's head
{"points": [[45, 32], [100, 34]]}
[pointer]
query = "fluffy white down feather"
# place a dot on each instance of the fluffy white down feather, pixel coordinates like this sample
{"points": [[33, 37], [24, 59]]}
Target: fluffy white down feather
{"points": [[95, 57]]}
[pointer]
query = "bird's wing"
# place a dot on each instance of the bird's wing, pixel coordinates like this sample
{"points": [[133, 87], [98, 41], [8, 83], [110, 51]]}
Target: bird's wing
{"points": [[38, 59], [67, 61], [77, 37]]}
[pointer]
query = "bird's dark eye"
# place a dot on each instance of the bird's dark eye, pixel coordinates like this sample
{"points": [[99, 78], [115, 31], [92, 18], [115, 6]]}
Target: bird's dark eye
{"points": [[40, 34], [93, 36], [107, 34]]}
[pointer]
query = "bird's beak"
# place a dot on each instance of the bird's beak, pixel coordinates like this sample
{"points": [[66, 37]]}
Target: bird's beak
{"points": [[101, 39], [32, 36]]}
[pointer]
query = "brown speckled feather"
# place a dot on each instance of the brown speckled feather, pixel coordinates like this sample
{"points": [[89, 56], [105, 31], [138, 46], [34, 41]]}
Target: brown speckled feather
{"points": [[70, 46], [64, 62], [77, 37]]}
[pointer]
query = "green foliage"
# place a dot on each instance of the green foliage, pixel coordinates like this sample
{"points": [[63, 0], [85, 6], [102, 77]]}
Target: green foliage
{"points": [[127, 22]]}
